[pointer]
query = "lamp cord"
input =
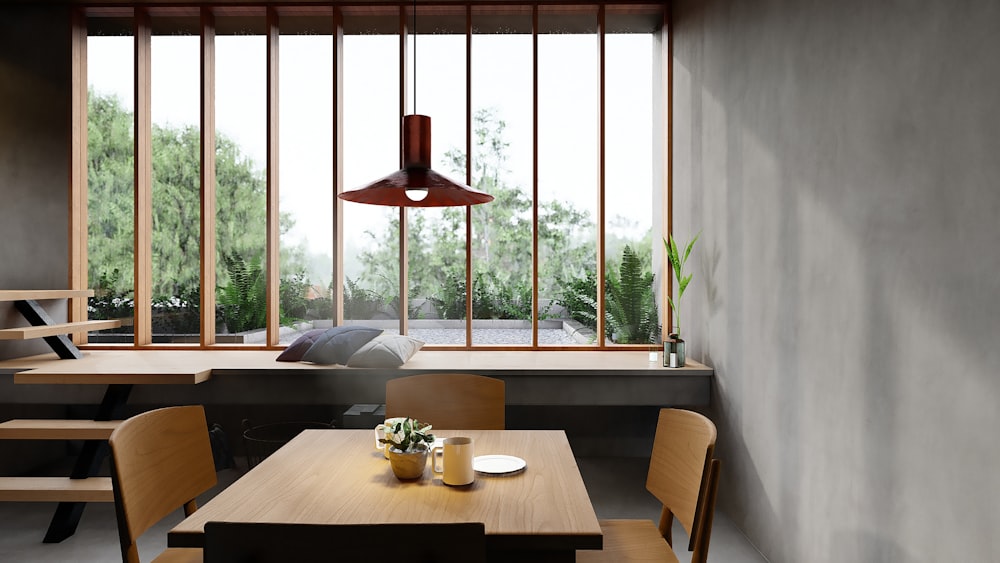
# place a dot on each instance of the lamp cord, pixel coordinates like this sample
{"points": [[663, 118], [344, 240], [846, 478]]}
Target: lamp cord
{"points": [[414, 57]]}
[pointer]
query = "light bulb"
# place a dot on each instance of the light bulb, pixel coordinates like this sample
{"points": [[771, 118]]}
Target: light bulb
{"points": [[416, 194]]}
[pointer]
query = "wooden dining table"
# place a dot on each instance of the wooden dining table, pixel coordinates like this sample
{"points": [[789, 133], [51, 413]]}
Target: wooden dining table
{"points": [[540, 513]]}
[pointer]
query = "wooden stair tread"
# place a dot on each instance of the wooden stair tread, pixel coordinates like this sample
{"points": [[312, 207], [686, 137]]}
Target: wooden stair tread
{"points": [[23, 294], [41, 331], [57, 429], [56, 489]]}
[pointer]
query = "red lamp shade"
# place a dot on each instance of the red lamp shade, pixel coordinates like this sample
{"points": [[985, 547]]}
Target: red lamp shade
{"points": [[416, 185]]}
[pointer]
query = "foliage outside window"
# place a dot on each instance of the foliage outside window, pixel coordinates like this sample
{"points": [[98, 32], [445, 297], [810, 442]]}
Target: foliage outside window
{"points": [[503, 231]]}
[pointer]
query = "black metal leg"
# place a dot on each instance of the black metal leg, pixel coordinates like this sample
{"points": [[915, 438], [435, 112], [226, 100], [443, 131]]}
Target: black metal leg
{"points": [[36, 315], [64, 521], [67, 516]]}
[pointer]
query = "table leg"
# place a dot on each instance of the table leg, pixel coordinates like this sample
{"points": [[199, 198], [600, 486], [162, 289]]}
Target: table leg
{"points": [[88, 463]]}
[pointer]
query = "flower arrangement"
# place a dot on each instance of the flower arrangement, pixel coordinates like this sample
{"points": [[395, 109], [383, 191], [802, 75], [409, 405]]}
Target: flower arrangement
{"points": [[407, 435]]}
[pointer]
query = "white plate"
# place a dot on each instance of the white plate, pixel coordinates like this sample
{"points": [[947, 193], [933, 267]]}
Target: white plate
{"points": [[498, 464]]}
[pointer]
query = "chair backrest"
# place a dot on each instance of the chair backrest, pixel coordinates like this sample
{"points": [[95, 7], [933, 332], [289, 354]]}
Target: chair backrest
{"points": [[448, 400], [244, 542], [161, 460], [684, 476]]}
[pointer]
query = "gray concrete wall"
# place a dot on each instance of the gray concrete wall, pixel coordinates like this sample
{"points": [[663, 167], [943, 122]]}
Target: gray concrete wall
{"points": [[842, 160], [34, 160], [34, 188]]}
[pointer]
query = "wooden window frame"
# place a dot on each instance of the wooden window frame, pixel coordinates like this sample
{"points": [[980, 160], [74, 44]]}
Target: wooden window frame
{"points": [[208, 255]]}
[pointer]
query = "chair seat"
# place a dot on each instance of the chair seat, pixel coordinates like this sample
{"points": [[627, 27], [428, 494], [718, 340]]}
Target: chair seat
{"points": [[180, 555], [629, 540]]}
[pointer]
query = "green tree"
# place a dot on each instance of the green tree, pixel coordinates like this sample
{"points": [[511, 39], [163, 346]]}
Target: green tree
{"points": [[176, 238], [110, 197], [502, 229]]}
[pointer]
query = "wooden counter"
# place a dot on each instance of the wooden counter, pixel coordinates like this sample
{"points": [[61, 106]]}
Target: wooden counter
{"points": [[254, 377]]}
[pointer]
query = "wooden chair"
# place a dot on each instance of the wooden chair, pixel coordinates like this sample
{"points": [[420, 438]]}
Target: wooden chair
{"points": [[161, 460], [684, 477], [243, 542], [448, 400]]}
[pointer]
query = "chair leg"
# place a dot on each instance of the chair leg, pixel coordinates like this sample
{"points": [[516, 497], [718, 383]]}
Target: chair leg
{"points": [[667, 525], [700, 554]]}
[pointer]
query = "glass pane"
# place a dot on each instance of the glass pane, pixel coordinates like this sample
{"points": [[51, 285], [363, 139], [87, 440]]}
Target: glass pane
{"points": [[241, 152], [176, 167], [437, 235], [567, 171], [306, 181], [110, 199], [630, 299], [502, 166], [371, 122]]}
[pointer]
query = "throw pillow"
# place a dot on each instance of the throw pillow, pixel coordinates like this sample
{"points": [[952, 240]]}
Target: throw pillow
{"points": [[336, 345], [300, 346], [385, 351]]}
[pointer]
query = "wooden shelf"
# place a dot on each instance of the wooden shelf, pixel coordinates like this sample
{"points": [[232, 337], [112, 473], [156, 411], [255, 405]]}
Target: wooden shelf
{"points": [[42, 331], [56, 489], [57, 429], [34, 294]]}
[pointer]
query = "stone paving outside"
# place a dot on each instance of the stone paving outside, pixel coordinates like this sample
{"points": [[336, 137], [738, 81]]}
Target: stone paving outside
{"points": [[456, 337]]}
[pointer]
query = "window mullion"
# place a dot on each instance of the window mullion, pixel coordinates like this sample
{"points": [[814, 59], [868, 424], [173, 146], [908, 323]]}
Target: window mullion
{"points": [[78, 178], [273, 231], [208, 195], [338, 166], [468, 174], [404, 283], [534, 176], [601, 219], [143, 179]]}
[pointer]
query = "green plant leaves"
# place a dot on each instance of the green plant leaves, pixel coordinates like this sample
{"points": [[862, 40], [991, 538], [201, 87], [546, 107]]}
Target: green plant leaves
{"points": [[677, 265], [242, 300], [689, 247], [407, 435]]}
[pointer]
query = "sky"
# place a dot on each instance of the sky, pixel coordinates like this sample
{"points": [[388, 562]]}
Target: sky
{"points": [[501, 79]]}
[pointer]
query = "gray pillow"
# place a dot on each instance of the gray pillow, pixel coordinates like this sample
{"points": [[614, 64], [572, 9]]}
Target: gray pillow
{"points": [[338, 344], [297, 349], [385, 351]]}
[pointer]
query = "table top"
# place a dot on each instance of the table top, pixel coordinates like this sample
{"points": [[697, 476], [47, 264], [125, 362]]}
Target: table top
{"points": [[338, 477]]}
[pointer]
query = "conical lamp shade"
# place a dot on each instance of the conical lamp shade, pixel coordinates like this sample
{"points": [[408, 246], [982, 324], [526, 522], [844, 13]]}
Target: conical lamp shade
{"points": [[416, 185]]}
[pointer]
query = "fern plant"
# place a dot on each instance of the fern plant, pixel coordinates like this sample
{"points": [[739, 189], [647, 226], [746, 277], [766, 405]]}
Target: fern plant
{"points": [[677, 262], [630, 311], [630, 308], [242, 300]]}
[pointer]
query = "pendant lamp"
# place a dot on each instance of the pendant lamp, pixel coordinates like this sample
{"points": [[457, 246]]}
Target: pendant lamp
{"points": [[415, 184]]}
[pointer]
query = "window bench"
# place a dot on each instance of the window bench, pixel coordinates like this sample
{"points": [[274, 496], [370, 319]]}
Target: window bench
{"points": [[253, 377]]}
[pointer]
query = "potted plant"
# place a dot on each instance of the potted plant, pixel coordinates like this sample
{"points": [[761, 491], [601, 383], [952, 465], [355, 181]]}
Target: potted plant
{"points": [[408, 441], [673, 347]]}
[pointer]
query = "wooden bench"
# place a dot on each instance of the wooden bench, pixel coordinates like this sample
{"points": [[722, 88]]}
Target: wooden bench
{"points": [[55, 334]]}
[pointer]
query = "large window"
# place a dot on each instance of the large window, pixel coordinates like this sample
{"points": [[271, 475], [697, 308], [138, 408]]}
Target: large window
{"points": [[110, 145], [552, 109]]}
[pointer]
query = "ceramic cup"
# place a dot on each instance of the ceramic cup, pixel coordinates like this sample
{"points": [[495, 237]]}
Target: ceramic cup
{"points": [[380, 431], [456, 461]]}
